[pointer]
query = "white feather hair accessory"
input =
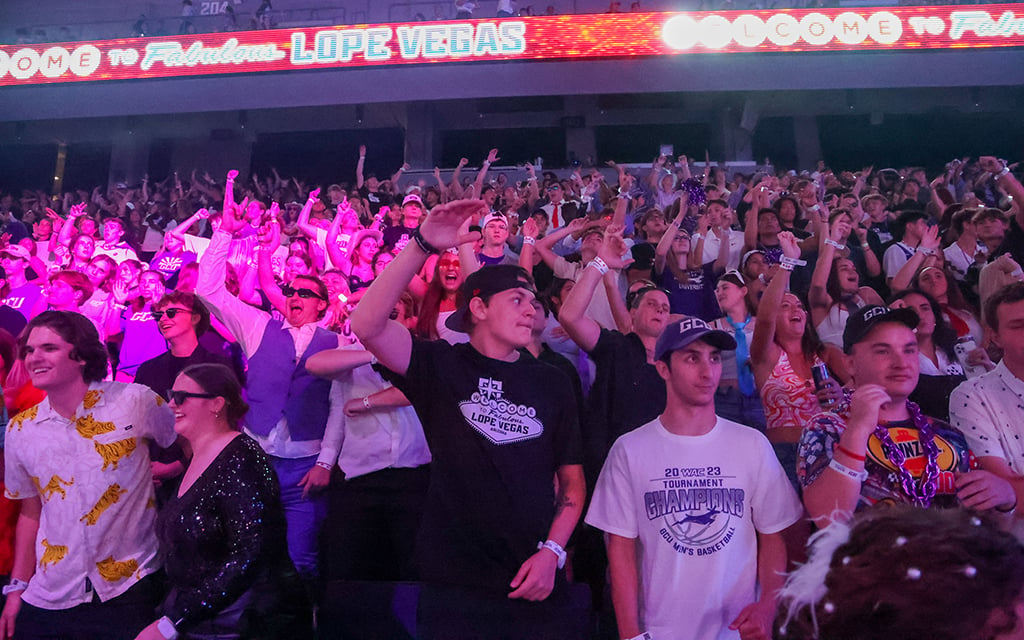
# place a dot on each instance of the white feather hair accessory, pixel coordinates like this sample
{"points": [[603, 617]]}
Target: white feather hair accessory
{"points": [[805, 586]]}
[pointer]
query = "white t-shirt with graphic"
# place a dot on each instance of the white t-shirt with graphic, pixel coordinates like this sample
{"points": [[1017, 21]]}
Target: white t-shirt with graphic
{"points": [[696, 504]]}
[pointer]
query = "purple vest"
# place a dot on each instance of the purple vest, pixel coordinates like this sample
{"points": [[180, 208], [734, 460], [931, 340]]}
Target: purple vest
{"points": [[279, 385]]}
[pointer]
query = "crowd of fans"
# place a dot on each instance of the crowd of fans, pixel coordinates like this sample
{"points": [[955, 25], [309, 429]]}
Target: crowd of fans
{"points": [[787, 273]]}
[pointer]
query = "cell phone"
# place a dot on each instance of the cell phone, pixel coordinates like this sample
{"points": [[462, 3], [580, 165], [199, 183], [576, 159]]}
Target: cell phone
{"points": [[667, 150]]}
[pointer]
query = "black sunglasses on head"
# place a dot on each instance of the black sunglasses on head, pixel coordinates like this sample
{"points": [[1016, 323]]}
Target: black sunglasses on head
{"points": [[170, 313], [179, 397], [303, 293]]}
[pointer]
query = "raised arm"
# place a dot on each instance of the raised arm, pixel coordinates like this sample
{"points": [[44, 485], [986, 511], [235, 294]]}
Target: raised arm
{"points": [[269, 242], [456, 184], [661, 250], [302, 222], [67, 230], [583, 330], [359, 167], [179, 231], [1008, 182], [545, 246], [817, 296], [478, 185], [387, 339], [763, 350], [229, 190], [925, 251], [616, 301], [243, 321]]}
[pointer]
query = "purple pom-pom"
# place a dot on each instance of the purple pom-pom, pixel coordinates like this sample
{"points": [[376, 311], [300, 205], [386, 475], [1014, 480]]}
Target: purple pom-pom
{"points": [[695, 190]]}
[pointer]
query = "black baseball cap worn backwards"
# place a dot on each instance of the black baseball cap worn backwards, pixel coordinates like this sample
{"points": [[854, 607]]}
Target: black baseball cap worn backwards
{"points": [[486, 282]]}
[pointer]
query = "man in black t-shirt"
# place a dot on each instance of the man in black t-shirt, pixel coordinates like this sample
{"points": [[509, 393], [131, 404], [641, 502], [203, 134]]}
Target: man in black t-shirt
{"points": [[501, 426]]}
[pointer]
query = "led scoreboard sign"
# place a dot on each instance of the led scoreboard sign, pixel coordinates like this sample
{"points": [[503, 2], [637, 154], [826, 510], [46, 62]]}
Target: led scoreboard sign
{"points": [[594, 36]]}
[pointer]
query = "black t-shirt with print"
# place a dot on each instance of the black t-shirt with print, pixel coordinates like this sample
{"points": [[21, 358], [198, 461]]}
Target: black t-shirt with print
{"points": [[376, 199], [497, 432]]}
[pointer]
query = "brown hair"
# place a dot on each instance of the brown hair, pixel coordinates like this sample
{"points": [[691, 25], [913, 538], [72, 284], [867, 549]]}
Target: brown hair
{"points": [[220, 381], [916, 574], [79, 332]]}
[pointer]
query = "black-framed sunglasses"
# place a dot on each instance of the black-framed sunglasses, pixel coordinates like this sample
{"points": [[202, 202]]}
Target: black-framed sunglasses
{"points": [[303, 293], [633, 297], [179, 397], [170, 313]]}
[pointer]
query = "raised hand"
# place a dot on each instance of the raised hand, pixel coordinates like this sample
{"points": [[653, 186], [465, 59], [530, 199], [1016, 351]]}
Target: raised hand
{"points": [[930, 240], [790, 245], [441, 229], [530, 228], [990, 164], [865, 404], [492, 156]]}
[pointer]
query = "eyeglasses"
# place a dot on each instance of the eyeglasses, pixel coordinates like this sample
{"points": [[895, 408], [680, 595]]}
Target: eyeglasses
{"points": [[179, 397], [303, 293], [170, 313]]}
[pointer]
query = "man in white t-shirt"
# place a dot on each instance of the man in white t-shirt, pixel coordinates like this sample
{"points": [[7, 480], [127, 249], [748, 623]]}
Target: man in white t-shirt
{"points": [[694, 507]]}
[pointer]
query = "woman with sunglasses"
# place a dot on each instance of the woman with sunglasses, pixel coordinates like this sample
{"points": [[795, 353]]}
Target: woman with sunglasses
{"points": [[223, 532], [142, 339]]}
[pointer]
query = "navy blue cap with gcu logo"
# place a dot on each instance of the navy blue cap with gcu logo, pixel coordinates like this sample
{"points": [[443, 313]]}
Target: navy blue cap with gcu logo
{"points": [[863, 320], [680, 333]]}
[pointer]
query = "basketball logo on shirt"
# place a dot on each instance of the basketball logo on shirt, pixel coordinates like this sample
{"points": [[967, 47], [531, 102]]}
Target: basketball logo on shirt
{"points": [[497, 419], [695, 509]]}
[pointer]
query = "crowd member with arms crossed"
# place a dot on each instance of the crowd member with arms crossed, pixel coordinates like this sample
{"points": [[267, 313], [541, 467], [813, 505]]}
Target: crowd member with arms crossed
{"points": [[85, 550], [686, 563], [501, 427]]}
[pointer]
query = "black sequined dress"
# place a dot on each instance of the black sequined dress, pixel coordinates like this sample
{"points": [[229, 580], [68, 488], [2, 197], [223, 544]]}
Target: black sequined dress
{"points": [[225, 549]]}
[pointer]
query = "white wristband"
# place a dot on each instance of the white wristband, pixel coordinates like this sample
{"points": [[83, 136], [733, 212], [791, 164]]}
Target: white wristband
{"points": [[927, 252], [14, 585], [166, 628], [859, 476], [832, 243], [1002, 173], [642, 636], [695, 237], [555, 548], [529, 240], [598, 264]]}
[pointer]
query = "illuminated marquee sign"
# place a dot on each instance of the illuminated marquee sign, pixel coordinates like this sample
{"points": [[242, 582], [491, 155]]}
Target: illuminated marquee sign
{"points": [[534, 38]]}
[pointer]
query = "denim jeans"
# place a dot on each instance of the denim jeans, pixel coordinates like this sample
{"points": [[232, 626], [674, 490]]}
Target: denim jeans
{"points": [[303, 515]]}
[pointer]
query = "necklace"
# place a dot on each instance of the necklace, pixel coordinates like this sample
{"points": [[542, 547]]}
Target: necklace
{"points": [[920, 494]]}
